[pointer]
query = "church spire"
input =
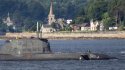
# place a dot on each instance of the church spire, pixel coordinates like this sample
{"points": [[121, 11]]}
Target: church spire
{"points": [[8, 18], [51, 16], [8, 14], [51, 8]]}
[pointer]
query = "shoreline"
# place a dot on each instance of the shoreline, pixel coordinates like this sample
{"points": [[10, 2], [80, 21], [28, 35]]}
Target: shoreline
{"points": [[69, 36], [85, 38], [65, 38]]}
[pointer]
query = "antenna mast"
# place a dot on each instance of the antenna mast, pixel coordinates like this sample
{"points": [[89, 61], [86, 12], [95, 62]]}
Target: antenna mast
{"points": [[37, 32]]}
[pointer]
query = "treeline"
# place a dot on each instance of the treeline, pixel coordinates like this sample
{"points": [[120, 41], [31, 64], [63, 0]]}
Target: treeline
{"points": [[25, 13], [111, 12]]}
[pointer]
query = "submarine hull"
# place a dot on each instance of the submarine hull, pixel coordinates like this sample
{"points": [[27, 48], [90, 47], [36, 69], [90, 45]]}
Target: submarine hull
{"points": [[54, 56]]}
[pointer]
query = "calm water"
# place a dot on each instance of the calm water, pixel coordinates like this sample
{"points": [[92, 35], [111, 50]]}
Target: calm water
{"points": [[111, 47]]}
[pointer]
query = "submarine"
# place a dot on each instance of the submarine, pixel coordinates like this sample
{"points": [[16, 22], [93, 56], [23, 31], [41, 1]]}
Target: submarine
{"points": [[27, 49]]}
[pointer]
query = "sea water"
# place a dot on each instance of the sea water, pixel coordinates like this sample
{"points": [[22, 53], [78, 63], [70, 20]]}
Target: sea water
{"points": [[112, 47]]}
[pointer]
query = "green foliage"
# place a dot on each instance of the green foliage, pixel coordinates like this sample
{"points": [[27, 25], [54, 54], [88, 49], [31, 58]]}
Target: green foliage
{"points": [[107, 20], [95, 8], [117, 10], [56, 25], [3, 27], [67, 28], [121, 26], [111, 12], [80, 20], [25, 13], [29, 25]]}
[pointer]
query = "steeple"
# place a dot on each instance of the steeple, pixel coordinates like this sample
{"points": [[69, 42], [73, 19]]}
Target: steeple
{"points": [[8, 18], [51, 8], [51, 16], [8, 14]]}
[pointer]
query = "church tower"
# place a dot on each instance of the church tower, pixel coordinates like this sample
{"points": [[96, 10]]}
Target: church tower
{"points": [[51, 16]]}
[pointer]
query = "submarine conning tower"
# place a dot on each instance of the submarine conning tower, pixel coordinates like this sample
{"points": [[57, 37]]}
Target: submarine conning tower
{"points": [[27, 45]]}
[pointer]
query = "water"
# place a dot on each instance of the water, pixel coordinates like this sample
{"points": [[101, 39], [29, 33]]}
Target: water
{"points": [[111, 47]]}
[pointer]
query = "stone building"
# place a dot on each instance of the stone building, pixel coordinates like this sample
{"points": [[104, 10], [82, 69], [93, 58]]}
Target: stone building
{"points": [[51, 19], [47, 29], [53, 24]]}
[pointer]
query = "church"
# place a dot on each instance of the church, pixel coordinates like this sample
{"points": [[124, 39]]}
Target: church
{"points": [[51, 19], [53, 23]]}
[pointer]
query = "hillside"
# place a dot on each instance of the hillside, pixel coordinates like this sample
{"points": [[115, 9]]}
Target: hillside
{"points": [[38, 9], [26, 12]]}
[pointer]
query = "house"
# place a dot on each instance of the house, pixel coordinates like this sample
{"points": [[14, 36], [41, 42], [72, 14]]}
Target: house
{"points": [[68, 21], [85, 27], [101, 26], [94, 25], [113, 28]]}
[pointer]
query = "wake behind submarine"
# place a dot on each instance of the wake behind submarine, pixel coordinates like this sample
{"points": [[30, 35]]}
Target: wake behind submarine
{"points": [[27, 49]]}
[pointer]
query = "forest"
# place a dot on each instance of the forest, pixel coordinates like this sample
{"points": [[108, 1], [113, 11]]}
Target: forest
{"points": [[111, 12], [25, 13]]}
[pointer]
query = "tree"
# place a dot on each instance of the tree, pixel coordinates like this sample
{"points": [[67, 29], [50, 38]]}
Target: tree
{"points": [[23, 10], [95, 8], [107, 20], [117, 10], [3, 27], [80, 20], [29, 25]]}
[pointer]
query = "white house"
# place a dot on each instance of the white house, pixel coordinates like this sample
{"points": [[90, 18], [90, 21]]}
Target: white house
{"points": [[94, 25], [113, 28], [101, 26], [68, 21]]}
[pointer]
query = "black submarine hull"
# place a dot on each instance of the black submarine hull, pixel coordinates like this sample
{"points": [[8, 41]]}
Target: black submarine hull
{"points": [[55, 56]]}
